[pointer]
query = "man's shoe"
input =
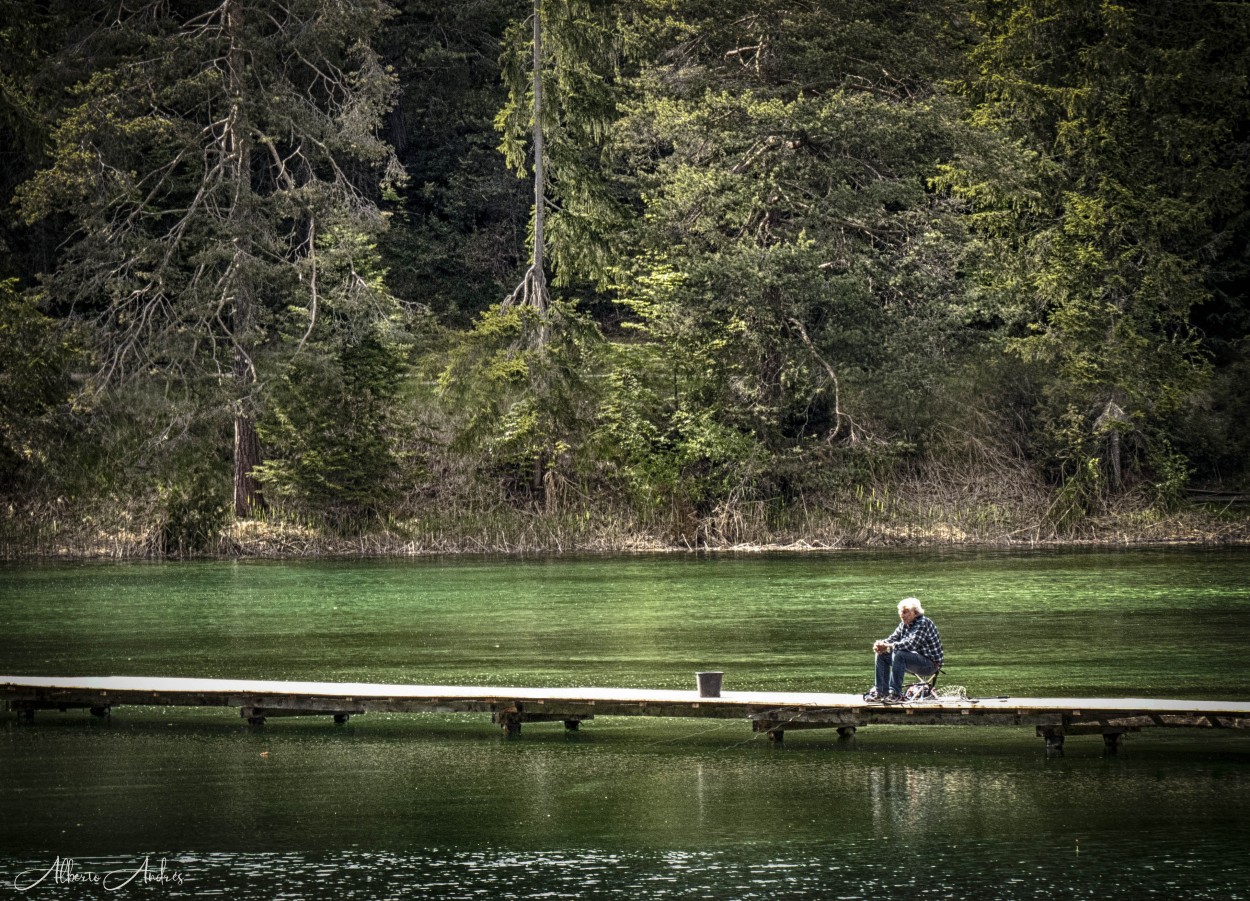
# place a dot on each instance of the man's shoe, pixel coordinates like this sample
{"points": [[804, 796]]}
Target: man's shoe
{"points": [[892, 698], [872, 697]]}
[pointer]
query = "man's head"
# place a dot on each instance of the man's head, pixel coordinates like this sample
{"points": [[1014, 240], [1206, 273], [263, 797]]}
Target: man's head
{"points": [[909, 609]]}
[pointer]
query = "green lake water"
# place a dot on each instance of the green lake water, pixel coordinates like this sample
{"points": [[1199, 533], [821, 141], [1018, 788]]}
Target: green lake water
{"points": [[426, 806]]}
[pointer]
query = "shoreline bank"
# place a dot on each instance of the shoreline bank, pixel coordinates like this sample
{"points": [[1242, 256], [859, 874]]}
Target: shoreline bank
{"points": [[261, 540]]}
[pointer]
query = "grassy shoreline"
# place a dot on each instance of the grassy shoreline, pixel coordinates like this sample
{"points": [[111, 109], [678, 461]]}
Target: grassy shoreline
{"points": [[507, 531]]}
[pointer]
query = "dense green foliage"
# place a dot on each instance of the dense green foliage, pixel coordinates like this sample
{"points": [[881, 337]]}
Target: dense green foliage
{"points": [[1130, 213], [789, 270], [803, 256]]}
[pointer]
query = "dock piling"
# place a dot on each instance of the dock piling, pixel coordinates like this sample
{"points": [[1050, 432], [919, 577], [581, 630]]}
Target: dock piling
{"points": [[1053, 736]]}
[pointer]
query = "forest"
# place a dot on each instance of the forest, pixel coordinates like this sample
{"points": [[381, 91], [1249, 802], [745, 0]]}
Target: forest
{"points": [[409, 276]]}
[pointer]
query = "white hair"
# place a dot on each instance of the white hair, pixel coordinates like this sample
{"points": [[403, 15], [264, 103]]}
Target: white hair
{"points": [[913, 603]]}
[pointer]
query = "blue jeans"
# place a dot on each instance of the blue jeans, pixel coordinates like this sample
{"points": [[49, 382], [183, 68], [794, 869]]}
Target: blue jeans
{"points": [[893, 666]]}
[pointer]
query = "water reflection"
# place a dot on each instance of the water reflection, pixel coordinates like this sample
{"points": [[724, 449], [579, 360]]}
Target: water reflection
{"points": [[445, 807], [907, 799]]}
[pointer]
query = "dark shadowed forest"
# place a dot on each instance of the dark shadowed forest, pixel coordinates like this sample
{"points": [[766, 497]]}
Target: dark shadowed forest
{"points": [[356, 276]]}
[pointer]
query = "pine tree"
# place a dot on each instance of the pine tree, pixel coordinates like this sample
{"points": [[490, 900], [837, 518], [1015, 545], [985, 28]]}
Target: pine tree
{"points": [[562, 84], [221, 167], [794, 291], [1111, 214]]}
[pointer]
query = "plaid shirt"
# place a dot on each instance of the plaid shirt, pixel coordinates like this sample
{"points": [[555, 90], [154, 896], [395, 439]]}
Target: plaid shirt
{"points": [[920, 637]]}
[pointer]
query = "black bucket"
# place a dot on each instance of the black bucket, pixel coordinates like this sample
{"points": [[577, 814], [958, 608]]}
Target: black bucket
{"points": [[709, 684]]}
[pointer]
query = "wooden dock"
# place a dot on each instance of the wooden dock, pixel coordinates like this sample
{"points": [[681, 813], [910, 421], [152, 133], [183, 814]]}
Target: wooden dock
{"points": [[773, 713]]}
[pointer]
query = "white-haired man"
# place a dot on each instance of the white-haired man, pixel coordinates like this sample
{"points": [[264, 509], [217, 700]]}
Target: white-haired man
{"points": [[914, 647]]}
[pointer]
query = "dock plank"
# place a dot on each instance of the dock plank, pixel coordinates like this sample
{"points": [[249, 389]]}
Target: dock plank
{"points": [[767, 711]]}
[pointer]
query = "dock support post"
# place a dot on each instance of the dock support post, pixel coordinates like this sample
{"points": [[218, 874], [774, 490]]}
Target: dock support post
{"points": [[341, 718], [100, 712], [1053, 736], [776, 736], [509, 721], [572, 725], [253, 715], [846, 732], [1111, 741]]}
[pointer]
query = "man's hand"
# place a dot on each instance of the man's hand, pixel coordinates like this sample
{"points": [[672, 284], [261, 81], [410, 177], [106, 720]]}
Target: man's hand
{"points": [[880, 647]]}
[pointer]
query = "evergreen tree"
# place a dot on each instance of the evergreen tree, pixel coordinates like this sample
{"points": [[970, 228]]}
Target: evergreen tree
{"points": [[562, 84], [789, 271], [1111, 216], [516, 382], [220, 167], [34, 384], [452, 246]]}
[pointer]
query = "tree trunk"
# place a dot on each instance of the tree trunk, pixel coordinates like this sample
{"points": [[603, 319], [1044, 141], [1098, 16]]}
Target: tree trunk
{"points": [[540, 194], [247, 494], [1113, 451], [1111, 421], [532, 291]]}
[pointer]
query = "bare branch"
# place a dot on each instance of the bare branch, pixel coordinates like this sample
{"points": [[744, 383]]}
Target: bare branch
{"points": [[838, 414]]}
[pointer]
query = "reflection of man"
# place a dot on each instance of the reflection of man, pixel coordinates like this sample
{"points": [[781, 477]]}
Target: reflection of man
{"points": [[914, 647]]}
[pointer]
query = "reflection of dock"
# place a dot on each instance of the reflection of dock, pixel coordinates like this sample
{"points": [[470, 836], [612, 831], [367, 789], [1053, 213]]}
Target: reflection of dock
{"points": [[772, 712]]}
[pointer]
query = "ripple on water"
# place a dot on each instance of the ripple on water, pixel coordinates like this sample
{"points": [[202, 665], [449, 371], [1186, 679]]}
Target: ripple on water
{"points": [[855, 871]]}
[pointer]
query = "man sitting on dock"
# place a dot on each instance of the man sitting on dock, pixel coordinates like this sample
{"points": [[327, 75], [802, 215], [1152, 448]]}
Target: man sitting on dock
{"points": [[914, 647]]}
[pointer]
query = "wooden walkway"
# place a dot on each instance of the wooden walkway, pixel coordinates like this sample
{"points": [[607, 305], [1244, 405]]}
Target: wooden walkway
{"points": [[774, 713]]}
